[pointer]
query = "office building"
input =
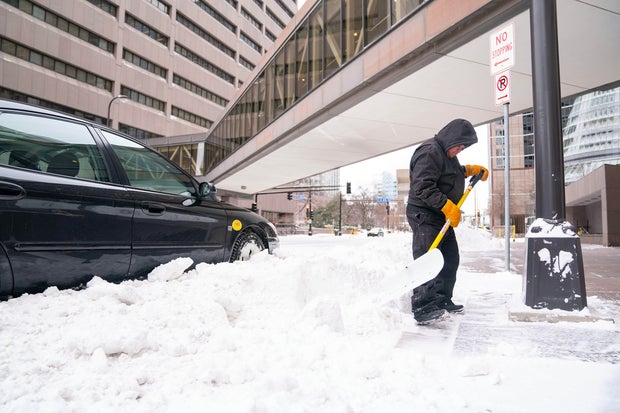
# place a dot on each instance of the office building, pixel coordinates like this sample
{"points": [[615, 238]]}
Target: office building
{"points": [[177, 63]]}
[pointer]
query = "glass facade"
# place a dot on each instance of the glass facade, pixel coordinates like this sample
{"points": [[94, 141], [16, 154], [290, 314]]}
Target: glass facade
{"points": [[592, 133], [332, 34]]}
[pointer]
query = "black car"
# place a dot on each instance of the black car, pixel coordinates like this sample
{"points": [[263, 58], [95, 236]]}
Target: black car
{"points": [[79, 200]]}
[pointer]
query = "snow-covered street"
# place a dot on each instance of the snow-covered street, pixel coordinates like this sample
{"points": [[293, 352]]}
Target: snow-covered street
{"points": [[296, 332]]}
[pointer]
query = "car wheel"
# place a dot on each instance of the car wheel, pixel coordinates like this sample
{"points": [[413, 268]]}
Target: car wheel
{"points": [[247, 244]]}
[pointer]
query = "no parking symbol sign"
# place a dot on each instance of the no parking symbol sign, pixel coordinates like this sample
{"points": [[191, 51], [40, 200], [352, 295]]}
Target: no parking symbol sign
{"points": [[502, 87], [501, 59]]}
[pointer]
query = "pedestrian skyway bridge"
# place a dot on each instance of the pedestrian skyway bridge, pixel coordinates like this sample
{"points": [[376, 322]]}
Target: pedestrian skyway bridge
{"points": [[351, 80]]}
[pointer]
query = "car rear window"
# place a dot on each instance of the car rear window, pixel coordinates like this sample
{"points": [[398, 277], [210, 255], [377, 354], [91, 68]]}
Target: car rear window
{"points": [[50, 145]]}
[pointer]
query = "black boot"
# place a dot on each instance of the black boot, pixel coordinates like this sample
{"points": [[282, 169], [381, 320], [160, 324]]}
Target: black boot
{"points": [[424, 304], [428, 313], [450, 307]]}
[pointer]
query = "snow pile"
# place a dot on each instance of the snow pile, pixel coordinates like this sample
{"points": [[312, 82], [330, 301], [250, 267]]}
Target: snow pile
{"points": [[292, 332]]}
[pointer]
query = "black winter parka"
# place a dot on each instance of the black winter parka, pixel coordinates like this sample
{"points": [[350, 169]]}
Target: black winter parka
{"points": [[433, 176]]}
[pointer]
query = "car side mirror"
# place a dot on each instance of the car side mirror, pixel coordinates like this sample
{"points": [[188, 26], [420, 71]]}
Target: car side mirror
{"points": [[205, 189]]}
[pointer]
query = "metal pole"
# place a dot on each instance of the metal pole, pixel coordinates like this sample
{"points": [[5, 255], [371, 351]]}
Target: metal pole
{"points": [[549, 159], [310, 213], [507, 186], [340, 215], [550, 286]]}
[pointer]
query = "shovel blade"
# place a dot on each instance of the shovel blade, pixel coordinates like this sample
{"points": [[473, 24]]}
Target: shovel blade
{"points": [[421, 270]]}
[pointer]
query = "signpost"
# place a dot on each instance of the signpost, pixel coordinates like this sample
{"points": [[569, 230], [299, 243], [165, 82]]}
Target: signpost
{"points": [[501, 59]]}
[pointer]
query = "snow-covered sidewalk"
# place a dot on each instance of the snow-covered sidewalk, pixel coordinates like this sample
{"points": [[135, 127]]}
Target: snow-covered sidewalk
{"points": [[295, 332]]}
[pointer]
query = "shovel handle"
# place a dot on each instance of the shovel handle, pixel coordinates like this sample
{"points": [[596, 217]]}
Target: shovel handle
{"points": [[444, 229]]}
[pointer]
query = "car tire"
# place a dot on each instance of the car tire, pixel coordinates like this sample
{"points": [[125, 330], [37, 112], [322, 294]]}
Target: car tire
{"points": [[248, 244]]}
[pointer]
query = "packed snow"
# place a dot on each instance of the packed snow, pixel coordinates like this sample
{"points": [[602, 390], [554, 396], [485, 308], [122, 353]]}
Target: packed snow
{"points": [[297, 331]]}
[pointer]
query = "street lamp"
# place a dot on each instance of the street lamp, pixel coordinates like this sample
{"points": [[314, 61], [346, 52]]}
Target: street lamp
{"points": [[107, 123]]}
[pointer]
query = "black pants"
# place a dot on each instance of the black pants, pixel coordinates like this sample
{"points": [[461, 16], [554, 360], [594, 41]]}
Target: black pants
{"points": [[425, 226]]}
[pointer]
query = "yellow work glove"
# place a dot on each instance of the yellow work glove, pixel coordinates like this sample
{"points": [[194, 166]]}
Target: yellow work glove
{"points": [[452, 212], [473, 170]]}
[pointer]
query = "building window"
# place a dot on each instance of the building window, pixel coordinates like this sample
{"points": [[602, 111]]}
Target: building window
{"points": [[136, 133], [105, 5], [401, 9], [275, 18], [220, 19], [143, 99], [146, 29], [191, 117], [144, 63], [251, 19], [160, 5], [63, 24], [20, 97], [188, 54], [194, 88], [246, 63], [233, 3], [206, 36], [250, 42], [286, 9], [270, 35], [66, 69], [528, 140]]}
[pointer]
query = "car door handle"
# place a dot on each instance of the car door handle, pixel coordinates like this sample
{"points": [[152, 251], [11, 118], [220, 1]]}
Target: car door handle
{"points": [[9, 190], [153, 208]]}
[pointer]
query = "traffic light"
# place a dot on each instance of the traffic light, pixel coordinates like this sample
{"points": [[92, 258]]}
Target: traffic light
{"points": [[289, 196], [311, 214], [348, 187], [307, 212], [254, 207]]}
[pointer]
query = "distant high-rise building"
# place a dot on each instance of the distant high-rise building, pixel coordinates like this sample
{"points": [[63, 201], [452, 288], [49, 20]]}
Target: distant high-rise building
{"points": [[592, 133], [388, 187]]}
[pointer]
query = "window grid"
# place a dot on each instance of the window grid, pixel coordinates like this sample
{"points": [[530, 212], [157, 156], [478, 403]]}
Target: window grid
{"points": [[20, 97], [106, 6], [251, 19], [250, 42], [275, 18], [246, 63], [220, 19], [143, 99], [144, 63], [160, 5], [191, 117], [191, 56], [146, 29], [194, 88], [136, 133], [63, 24], [206, 36], [9, 47]]}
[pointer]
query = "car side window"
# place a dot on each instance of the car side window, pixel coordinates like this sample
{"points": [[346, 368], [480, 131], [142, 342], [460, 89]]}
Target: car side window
{"points": [[149, 170], [50, 145]]}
